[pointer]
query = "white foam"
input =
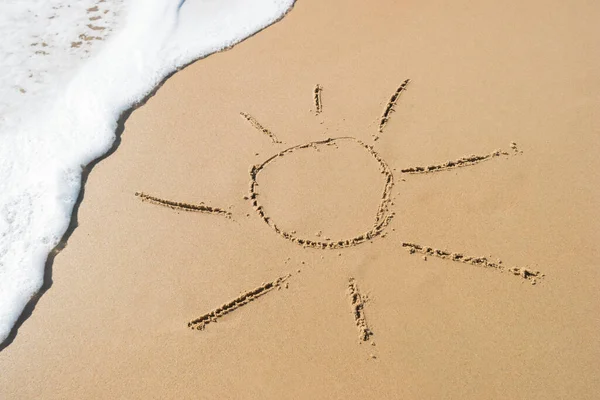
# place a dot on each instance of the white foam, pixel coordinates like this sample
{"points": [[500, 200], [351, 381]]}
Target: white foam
{"points": [[71, 115], [43, 41]]}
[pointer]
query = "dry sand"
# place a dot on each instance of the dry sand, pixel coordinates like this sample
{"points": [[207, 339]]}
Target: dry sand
{"points": [[483, 74]]}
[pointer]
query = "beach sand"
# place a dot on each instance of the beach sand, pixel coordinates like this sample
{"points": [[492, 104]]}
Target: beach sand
{"points": [[114, 323]]}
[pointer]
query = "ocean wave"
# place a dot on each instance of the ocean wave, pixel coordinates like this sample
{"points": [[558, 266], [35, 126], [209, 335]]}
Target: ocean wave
{"points": [[59, 111]]}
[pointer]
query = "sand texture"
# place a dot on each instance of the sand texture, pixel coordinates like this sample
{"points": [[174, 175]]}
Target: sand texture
{"points": [[390, 200]]}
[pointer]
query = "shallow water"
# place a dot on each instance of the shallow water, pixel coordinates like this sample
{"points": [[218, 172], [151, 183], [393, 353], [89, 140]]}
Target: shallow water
{"points": [[64, 83]]}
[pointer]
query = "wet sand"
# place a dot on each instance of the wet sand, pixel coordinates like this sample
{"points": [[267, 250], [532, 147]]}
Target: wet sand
{"points": [[160, 300]]}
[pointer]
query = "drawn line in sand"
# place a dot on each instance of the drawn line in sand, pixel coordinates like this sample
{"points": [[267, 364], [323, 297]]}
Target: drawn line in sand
{"points": [[461, 162], [382, 217], [524, 273], [317, 98], [389, 108], [243, 299], [358, 309], [182, 206], [259, 127]]}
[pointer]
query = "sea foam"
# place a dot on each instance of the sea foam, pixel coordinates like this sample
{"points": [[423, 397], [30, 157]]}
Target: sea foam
{"points": [[59, 109]]}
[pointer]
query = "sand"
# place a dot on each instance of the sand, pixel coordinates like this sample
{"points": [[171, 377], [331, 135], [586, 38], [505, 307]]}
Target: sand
{"points": [[282, 319]]}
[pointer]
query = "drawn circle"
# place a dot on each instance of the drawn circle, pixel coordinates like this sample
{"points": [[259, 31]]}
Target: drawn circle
{"points": [[382, 216]]}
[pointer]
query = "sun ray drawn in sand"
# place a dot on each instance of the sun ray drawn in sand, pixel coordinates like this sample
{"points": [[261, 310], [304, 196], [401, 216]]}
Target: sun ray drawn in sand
{"points": [[243, 299], [383, 214]]}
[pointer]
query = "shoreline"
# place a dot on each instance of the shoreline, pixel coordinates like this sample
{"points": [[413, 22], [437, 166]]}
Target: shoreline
{"points": [[107, 89], [85, 172]]}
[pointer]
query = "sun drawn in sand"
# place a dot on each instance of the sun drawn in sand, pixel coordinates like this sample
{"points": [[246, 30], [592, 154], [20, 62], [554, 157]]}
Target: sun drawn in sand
{"points": [[383, 215]]}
